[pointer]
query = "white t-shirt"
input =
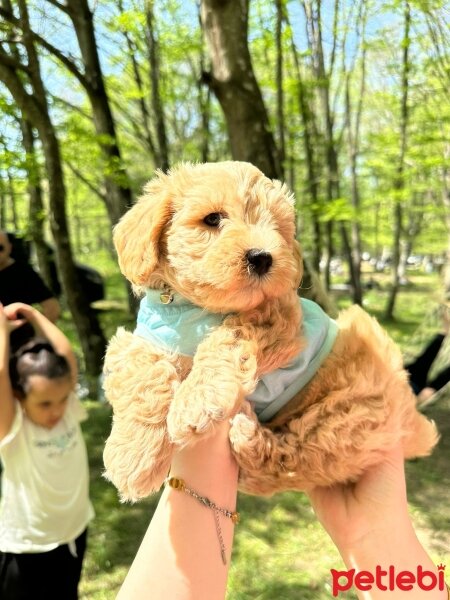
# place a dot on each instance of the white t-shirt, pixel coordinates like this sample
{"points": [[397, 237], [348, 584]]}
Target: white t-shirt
{"points": [[45, 483]]}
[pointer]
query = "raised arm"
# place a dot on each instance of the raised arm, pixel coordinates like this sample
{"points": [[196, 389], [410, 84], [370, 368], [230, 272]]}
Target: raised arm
{"points": [[44, 327], [6, 394], [181, 554]]}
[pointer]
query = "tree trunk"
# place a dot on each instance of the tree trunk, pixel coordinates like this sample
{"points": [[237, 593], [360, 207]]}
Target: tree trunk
{"points": [[118, 195], [225, 24], [146, 135], [279, 84], [399, 182], [118, 192], [158, 111], [12, 198], [204, 101], [446, 203], [2, 206], [36, 205], [313, 21], [353, 149], [37, 212], [312, 179]]}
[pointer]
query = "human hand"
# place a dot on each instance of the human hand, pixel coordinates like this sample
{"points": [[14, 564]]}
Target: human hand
{"points": [[9, 320], [19, 311], [376, 503]]}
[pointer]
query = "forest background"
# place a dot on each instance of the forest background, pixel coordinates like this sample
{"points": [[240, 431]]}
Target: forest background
{"points": [[347, 101]]}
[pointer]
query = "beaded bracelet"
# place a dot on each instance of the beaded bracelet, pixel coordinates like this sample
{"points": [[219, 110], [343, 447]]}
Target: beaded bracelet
{"points": [[178, 484]]}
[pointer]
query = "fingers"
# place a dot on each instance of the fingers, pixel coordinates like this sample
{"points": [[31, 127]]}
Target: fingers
{"points": [[17, 310], [11, 316]]}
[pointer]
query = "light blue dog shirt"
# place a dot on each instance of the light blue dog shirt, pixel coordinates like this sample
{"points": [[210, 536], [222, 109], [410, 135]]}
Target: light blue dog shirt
{"points": [[180, 326]]}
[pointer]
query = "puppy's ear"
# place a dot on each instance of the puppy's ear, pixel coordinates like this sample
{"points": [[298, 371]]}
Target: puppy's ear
{"points": [[137, 234]]}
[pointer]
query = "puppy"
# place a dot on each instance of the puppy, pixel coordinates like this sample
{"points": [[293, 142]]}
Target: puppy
{"points": [[212, 248]]}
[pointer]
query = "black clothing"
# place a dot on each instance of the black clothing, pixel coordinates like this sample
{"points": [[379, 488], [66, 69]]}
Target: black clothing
{"points": [[419, 369], [52, 575], [20, 283]]}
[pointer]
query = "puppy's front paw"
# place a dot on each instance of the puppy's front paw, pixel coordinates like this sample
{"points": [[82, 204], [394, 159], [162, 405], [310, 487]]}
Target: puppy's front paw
{"points": [[198, 406], [221, 376]]}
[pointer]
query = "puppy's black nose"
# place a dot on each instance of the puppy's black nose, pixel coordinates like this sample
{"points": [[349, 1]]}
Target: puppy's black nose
{"points": [[259, 261]]}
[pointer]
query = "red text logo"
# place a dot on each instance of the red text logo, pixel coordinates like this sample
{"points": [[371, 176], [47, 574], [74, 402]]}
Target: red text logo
{"points": [[388, 579]]}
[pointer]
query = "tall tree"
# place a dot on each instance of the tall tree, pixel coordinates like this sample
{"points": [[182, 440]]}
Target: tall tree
{"points": [[312, 11], [158, 110], [232, 79], [144, 129], [312, 175], [36, 208], [353, 127], [399, 180], [280, 82], [118, 192]]}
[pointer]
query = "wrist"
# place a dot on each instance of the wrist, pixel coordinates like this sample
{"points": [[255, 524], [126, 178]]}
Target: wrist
{"points": [[209, 467], [383, 544]]}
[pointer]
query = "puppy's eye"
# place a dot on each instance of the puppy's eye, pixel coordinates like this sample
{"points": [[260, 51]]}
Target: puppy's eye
{"points": [[213, 219]]}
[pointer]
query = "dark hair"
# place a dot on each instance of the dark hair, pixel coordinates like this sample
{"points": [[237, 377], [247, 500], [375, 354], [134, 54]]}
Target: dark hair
{"points": [[36, 357]]}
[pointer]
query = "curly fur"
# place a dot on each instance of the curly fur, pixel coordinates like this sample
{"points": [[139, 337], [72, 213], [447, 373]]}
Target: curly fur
{"points": [[357, 406]]}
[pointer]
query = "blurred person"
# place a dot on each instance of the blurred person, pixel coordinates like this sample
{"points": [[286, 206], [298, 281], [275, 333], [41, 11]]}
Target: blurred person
{"points": [[419, 369]]}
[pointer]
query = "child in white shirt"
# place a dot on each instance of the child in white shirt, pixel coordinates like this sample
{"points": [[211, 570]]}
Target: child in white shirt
{"points": [[45, 506]]}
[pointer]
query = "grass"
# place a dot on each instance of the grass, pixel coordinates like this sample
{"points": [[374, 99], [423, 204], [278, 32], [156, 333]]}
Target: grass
{"points": [[280, 550]]}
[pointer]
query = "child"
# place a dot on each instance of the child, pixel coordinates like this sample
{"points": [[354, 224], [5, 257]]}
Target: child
{"points": [[45, 506]]}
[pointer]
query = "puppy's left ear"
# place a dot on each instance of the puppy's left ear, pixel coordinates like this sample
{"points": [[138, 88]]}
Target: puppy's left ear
{"points": [[137, 234]]}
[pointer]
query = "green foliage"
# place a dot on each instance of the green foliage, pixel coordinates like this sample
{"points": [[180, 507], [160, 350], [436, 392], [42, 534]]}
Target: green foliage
{"points": [[183, 57]]}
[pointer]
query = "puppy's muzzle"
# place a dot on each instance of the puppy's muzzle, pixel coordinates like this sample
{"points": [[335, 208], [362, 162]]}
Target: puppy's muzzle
{"points": [[258, 261]]}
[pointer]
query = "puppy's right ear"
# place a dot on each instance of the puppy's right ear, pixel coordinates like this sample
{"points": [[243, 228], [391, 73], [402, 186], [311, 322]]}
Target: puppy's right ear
{"points": [[137, 234]]}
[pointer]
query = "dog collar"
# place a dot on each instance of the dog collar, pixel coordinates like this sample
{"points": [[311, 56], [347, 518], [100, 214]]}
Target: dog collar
{"points": [[179, 326]]}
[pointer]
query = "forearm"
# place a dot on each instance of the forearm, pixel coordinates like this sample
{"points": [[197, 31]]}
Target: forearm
{"points": [[393, 561], [180, 556], [6, 395]]}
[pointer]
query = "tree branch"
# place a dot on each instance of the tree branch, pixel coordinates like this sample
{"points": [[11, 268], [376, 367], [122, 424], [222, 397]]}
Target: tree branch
{"points": [[27, 103], [67, 62], [67, 104], [82, 178], [65, 9], [11, 62]]}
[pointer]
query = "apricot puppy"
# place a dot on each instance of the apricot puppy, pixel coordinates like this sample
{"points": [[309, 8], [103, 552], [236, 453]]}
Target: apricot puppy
{"points": [[212, 249]]}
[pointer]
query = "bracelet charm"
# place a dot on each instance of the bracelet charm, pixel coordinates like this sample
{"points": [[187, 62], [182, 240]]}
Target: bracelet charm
{"points": [[178, 484]]}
